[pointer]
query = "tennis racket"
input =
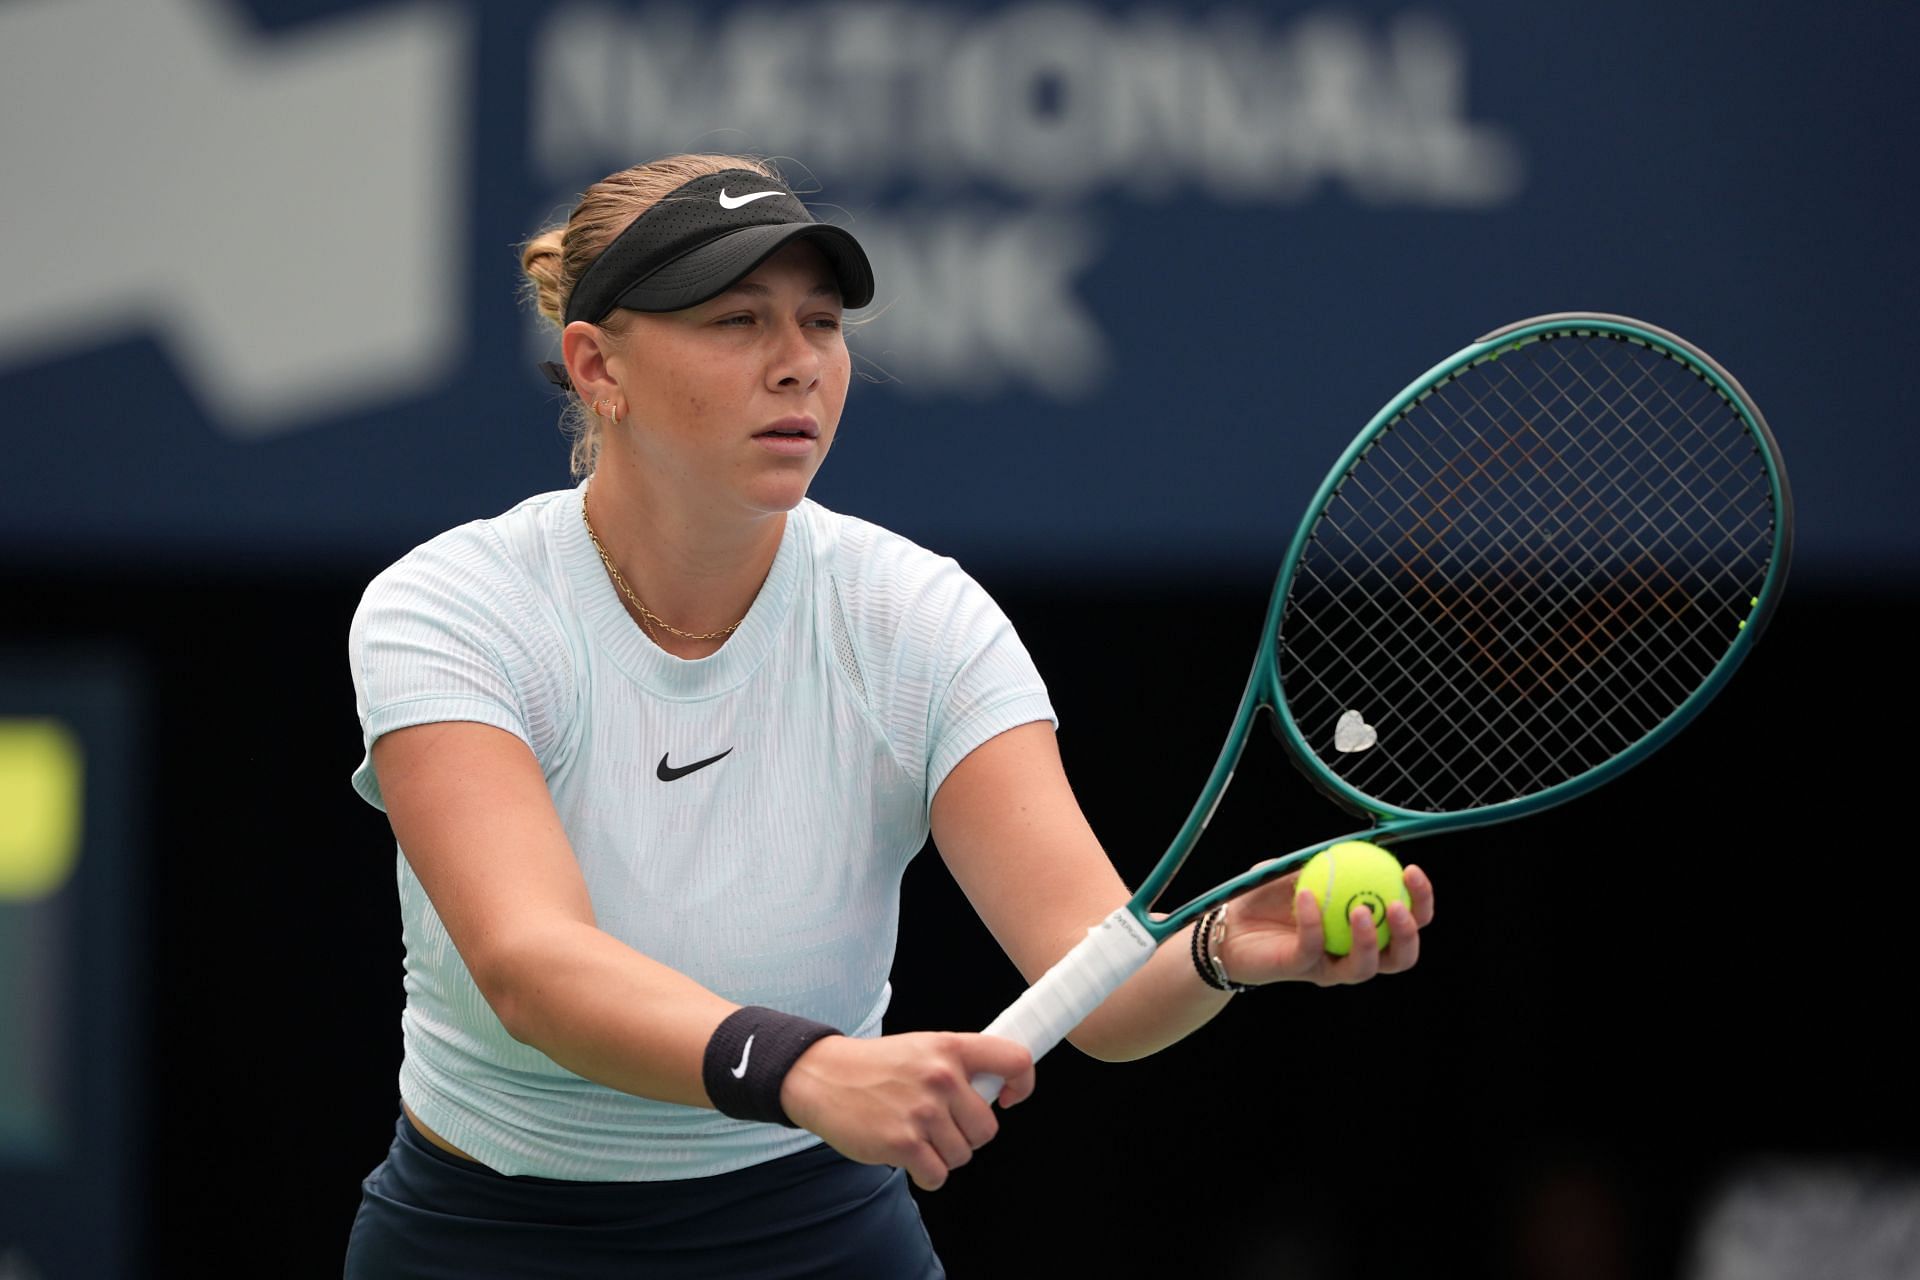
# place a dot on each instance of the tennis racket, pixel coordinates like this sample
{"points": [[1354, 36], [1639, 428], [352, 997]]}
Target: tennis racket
{"points": [[1535, 565]]}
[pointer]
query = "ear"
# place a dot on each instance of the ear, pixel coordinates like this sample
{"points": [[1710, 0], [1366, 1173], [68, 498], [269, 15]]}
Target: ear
{"points": [[585, 348]]}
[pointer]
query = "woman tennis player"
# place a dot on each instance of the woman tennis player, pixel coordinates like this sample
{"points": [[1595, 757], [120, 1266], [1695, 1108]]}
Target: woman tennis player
{"points": [[656, 751]]}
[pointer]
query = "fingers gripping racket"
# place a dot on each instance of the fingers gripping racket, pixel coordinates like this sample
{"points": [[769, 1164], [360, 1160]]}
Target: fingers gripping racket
{"points": [[1535, 565]]}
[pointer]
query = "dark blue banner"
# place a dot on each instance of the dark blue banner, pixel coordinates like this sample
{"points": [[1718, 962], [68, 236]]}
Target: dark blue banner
{"points": [[1144, 269]]}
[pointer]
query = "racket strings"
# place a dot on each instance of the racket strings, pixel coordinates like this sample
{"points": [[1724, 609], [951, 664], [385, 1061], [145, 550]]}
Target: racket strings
{"points": [[1530, 563], [1482, 742], [1577, 517], [1527, 568], [1526, 573], [1581, 506], [1646, 470], [1720, 470]]}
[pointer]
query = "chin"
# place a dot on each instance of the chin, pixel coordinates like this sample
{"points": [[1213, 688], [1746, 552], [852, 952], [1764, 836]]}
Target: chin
{"points": [[779, 487], [775, 498]]}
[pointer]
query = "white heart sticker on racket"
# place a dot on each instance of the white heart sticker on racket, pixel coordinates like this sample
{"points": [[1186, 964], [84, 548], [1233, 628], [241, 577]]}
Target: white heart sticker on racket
{"points": [[1353, 733]]}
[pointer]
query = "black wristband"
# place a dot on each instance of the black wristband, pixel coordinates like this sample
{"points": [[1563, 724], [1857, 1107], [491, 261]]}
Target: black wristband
{"points": [[749, 1056]]}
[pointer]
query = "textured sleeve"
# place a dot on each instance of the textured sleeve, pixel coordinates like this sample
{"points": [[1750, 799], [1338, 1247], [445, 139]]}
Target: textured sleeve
{"points": [[981, 679], [449, 633], [950, 672]]}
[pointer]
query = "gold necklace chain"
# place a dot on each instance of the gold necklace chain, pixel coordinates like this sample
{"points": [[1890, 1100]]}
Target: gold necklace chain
{"points": [[647, 615]]}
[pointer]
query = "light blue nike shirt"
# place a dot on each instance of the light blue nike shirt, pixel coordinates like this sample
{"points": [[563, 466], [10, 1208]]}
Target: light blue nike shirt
{"points": [[867, 668]]}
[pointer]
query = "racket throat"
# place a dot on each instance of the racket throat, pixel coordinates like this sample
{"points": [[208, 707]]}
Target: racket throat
{"points": [[1218, 796]]}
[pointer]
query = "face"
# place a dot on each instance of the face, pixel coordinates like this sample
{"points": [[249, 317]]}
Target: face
{"points": [[734, 403]]}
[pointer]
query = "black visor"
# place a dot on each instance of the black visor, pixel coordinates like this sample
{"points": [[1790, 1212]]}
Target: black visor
{"points": [[701, 238]]}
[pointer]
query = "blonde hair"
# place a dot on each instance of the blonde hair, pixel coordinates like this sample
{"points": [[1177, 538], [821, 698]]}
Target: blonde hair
{"points": [[555, 259]]}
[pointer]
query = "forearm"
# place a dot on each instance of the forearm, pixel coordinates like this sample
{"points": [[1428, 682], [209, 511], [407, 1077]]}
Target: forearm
{"points": [[1163, 1003], [605, 1011], [610, 1014]]}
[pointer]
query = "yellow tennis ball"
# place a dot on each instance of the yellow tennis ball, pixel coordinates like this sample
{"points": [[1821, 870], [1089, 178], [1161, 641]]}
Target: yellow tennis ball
{"points": [[1348, 875]]}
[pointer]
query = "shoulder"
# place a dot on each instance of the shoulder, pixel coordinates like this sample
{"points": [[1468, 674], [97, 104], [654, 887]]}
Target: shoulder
{"points": [[896, 596], [495, 568], [497, 551], [874, 565]]}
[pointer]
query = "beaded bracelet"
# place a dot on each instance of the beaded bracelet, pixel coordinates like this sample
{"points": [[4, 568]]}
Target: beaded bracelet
{"points": [[1209, 936]]}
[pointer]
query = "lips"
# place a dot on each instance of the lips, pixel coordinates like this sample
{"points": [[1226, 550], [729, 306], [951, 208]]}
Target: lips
{"points": [[796, 427]]}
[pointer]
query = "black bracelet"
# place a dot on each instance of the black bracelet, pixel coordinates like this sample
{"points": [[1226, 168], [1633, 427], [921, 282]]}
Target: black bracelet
{"points": [[749, 1056], [1208, 965], [1200, 966]]}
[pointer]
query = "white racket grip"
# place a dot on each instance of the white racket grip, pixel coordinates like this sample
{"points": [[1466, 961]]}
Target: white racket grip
{"points": [[1113, 951]]}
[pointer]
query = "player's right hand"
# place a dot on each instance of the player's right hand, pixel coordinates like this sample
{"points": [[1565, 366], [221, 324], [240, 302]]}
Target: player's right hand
{"points": [[905, 1100]]}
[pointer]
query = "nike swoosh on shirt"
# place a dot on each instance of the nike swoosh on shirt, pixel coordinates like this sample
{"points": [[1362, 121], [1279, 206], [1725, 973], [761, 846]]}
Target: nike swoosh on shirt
{"points": [[734, 202], [740, 1072], [667, 772]]}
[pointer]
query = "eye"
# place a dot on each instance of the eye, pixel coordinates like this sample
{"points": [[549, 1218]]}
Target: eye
{"points": [[824, 322], [740, 318]]}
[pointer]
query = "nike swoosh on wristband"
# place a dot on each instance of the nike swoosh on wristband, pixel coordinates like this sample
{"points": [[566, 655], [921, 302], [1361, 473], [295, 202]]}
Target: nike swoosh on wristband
{"points": [[740, 1072], [734, 202], [667, 772]]}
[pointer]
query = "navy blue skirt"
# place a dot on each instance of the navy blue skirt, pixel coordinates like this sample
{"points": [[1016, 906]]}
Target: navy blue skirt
{"points": [[426, 1214]]}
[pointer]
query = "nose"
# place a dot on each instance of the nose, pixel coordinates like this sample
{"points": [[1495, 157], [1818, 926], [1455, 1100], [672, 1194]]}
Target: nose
{"points": [[794, 364]]}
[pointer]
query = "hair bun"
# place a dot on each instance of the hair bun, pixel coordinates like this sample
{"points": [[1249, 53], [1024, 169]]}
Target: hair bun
{"points": [[541, 261]]}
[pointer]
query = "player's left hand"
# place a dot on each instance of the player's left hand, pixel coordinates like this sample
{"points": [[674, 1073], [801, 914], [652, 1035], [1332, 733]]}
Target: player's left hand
{"points": [[1269, 939]]}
